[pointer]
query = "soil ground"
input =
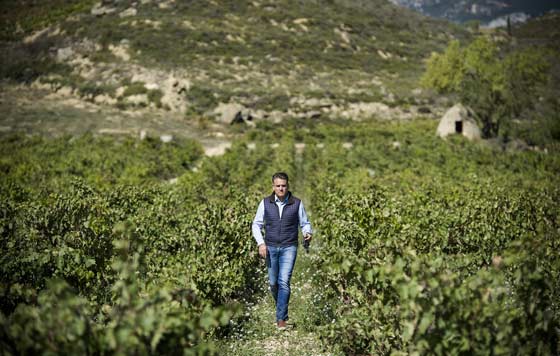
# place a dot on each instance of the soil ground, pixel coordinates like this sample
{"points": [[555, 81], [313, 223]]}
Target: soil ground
{"points": [[29, 110]]}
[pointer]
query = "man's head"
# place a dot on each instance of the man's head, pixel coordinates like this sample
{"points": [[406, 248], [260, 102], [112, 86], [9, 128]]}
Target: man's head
{"points": [[280, 184]]}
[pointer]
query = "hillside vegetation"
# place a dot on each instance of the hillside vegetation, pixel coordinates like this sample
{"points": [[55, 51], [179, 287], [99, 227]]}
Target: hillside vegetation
{"points": [[265, 55]]}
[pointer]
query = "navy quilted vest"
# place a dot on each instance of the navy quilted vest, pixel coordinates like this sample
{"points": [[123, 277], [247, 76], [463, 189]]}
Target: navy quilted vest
{"points": [[284, 231]]}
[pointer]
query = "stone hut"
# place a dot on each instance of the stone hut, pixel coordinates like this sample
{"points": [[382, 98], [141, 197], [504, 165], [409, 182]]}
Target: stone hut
{"points": [[459, 120]]}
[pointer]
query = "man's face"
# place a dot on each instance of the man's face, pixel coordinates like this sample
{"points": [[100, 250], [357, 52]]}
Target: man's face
{"points": [[280, 187]]}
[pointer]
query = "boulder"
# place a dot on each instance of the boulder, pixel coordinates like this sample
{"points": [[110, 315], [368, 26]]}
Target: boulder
{"points": [[151, 86], [120, 91], [138, 99], [173, 86], [128, 12], [174, 89], [166, 138], [63, 54], [104, 99], [120, 51], [229, 113], [65, 91], [166, 4], [383, 54], [100, 10], [358, 111], [218, 149]]}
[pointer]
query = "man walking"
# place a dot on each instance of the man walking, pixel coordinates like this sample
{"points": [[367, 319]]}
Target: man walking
{"points": [[280, 214]]}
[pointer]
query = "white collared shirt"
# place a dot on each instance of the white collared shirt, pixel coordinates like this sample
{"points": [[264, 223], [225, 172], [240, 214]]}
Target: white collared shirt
{"points": [[258, 221]]}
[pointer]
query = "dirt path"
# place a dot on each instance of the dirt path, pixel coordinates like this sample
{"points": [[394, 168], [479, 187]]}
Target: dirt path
{"points": [[258, 336]]}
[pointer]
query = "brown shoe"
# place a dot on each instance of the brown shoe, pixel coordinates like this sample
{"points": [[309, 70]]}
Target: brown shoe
{"points": [[281, 324]]}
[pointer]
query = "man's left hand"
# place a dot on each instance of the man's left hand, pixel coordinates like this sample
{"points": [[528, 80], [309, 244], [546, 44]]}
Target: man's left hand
{"points": [[308, 237]]}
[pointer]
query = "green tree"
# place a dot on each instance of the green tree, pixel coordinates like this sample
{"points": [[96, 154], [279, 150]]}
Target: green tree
{"points": [[445, 71], [498, 87]]}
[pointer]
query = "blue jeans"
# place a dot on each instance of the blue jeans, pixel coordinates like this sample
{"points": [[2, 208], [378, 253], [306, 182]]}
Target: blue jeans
{"points": [[280, 262]]}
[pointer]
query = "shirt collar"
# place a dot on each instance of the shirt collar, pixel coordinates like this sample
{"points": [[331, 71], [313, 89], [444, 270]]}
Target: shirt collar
{"points": [[286, 198]]}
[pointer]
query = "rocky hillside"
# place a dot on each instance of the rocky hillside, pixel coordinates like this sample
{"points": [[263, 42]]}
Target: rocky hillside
{"points": [[485, 11], [273, 59]]}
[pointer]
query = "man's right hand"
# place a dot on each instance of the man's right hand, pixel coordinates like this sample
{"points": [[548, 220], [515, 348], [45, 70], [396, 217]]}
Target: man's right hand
{"points": [[262, 250]]}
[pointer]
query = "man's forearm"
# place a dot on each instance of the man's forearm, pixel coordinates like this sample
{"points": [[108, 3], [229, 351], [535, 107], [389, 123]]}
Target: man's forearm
{"points": [[257, 234]]}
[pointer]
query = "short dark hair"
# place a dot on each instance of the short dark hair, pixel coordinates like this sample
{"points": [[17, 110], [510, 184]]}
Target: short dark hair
{"points": [[279, 175]]}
